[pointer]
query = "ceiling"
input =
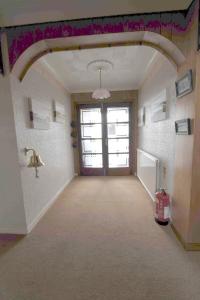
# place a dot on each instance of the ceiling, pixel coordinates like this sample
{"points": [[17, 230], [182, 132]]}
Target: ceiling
{"points": [[131, 64], [17, 12]]}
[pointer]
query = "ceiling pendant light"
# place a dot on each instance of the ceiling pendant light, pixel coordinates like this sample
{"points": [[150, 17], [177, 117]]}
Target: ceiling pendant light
{"points": [[100, 65], [100, 93]]}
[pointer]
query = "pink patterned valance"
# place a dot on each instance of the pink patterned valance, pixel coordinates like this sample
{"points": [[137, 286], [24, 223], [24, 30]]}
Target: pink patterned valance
{"points": [[22, 37]]}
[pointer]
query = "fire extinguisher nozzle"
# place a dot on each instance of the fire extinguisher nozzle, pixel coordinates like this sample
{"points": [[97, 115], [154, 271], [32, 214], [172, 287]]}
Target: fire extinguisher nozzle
{"points": [[162, 223]]}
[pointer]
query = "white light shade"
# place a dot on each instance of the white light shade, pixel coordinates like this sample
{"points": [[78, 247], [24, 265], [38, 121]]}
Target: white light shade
{"points": [[101, 94], [100, 66]]}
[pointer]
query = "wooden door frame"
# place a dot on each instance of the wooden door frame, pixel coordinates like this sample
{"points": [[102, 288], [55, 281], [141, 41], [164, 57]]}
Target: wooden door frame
{"points": [[120, 171], [90, 171], [105, 171]]}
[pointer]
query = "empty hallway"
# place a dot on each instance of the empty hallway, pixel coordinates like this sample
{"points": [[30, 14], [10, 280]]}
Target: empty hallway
{"points": [[99, 144], [99, 241]]}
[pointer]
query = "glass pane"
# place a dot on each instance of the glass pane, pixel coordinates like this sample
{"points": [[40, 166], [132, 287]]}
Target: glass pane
{"points": [[91, 115], [92, 161], [118, 130], [118, 145], [118, 160], [92, 146], [117, 114], [91, 131]]}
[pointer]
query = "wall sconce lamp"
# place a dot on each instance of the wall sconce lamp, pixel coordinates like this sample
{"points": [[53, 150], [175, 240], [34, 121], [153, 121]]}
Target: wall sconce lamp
{"points": [[35, 161]]}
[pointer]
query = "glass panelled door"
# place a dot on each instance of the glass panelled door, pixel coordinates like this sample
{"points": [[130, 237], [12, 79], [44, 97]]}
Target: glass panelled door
{"points": [[91, 141], [118, 139], [105, 139]]}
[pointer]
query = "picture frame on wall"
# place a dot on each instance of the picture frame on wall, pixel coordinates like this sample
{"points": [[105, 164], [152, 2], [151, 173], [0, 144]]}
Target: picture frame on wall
{"points": [[159, 112], [183, 127], [58, 112], [184, 85], [141, 117], [39, 113]]}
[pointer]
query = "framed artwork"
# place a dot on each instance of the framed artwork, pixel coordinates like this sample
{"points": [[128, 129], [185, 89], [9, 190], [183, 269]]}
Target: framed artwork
{"points": [[184, 85], [159, 111], [39, 114], [183, 127], [58, 112], [141, 117]]}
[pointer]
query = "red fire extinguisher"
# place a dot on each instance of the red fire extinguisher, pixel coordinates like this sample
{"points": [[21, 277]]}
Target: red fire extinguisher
{"points": [[162, 208]]}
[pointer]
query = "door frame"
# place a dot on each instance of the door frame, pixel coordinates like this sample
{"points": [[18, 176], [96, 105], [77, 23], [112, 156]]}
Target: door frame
{"points": [[119, 171], [88, 171], [105, 171]]}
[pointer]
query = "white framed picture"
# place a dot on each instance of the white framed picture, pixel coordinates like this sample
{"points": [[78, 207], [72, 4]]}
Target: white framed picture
{"points": [[141, 117], [183, 127], [159, 111], [184, 85], [159, 107], [58, 112], [39, 112]]}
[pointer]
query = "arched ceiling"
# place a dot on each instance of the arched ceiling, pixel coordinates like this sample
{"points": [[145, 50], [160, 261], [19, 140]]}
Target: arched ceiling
{"points": [[18, 12], [131, 65]]}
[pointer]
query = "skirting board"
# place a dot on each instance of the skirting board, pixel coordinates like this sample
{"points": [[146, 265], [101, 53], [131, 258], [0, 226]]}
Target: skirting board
{"points": [[13, 231], [186, 246], [153, 198], [49, 204]]}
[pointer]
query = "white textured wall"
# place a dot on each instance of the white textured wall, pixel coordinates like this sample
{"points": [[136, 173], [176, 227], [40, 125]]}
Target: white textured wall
{"points": [[158, 138], [12, 215], [54, 145]]}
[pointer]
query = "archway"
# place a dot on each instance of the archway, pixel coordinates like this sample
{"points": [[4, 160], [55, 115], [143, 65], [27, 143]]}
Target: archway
{"points": [[161, 30], [142, 38], [167, 32]]}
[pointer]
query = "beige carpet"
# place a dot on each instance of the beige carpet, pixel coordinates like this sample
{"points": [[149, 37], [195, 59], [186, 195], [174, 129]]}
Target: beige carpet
{"points": [[99, 242]]}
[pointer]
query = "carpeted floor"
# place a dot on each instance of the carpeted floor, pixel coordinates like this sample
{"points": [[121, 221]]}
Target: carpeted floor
{"points": [[99, 241]]}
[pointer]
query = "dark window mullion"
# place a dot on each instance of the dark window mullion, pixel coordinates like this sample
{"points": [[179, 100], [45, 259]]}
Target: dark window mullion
{"points": [[119, 138], [126, 123], [90, 139], [90, 124], [118, 152], [92, 153]]}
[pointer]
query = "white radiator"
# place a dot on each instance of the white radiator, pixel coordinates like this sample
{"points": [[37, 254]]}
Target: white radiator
{"points": [[148, 171]]}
